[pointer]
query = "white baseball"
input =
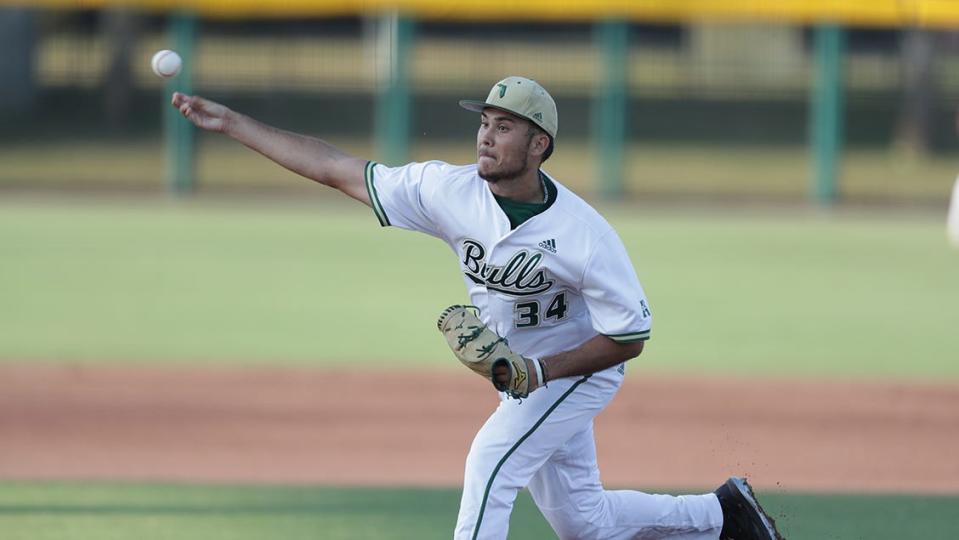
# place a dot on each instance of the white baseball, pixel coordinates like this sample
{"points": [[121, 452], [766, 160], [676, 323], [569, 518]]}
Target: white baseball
{"points": [[166, 63]]}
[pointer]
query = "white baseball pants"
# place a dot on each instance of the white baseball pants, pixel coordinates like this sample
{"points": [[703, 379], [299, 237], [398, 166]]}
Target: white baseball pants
{"points": [[545, 442]]}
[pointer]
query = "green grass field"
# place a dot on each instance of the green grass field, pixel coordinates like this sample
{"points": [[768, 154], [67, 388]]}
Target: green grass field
{"points": [[70, 511], [791, 292]]}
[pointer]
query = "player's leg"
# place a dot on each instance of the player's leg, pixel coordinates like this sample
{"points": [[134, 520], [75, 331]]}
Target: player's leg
{"points": [[515, 441], [568, 491]]}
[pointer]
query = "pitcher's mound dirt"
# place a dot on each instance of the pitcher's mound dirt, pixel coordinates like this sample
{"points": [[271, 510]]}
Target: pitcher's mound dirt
{"points": [[373, 428]]}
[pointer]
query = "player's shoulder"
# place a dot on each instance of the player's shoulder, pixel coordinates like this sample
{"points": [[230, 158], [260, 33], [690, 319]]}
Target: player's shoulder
{"points": [[458, 173], [433, 166], [430, 171], [578, 213], [444, 167]]}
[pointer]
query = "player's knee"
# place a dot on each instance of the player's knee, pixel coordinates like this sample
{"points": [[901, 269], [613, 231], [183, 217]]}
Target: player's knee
{"points": [[587, 520], [574, 526]]}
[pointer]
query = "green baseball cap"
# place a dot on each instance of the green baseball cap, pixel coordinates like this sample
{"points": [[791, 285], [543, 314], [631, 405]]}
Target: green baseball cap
{"points": [[522, 97]]}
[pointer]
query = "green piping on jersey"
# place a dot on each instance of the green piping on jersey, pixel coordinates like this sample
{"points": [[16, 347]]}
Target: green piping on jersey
{"points": [[374, 198], [631, 337], [489, 485]]}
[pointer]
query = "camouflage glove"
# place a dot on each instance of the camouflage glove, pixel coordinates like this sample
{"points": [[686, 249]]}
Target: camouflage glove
{"points": [[481, 350]]}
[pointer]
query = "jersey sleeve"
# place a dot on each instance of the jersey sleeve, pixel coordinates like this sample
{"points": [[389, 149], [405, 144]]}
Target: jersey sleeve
{"points": [[402, 196], [617, 305]]}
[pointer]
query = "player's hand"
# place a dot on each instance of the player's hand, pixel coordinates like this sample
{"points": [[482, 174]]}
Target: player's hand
{"points": [[501, 375], [204, 114]]}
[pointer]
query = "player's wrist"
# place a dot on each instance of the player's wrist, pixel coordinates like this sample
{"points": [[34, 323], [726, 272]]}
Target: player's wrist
{"points": [[230, 123], [539, 368]]}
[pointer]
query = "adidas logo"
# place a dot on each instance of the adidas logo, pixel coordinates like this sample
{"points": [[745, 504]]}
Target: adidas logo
{"points": [[548, 245]]}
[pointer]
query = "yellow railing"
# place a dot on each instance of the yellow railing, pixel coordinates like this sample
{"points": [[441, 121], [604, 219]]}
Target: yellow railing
{"points": [[875, 13]]}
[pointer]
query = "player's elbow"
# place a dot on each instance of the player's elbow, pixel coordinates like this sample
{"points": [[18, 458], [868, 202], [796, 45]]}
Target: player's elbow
{"points": [[632, 350]]}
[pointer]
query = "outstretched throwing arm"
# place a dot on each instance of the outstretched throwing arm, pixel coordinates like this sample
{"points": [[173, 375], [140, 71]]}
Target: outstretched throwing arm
{"points": [[307, 156]]}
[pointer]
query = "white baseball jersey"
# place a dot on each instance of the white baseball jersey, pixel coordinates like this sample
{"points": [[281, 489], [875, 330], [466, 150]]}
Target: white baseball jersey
{"points": [[554, 282]]}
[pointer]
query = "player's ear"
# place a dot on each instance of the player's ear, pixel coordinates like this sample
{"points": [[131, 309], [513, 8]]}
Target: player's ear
{"points": [[539, 144]]}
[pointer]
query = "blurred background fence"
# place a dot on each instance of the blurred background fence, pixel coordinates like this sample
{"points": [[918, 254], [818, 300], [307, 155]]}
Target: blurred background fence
{"points": [[693, 100]]}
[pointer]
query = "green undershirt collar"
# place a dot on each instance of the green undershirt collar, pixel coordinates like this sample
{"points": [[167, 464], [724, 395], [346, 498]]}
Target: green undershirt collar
{"points": [[519, 212]]}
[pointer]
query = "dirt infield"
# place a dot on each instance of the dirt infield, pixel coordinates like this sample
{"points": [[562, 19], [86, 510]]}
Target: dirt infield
{"points": [[365, 428]]}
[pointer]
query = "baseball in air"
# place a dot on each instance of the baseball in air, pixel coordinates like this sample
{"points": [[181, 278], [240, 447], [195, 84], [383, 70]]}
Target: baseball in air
{"points": [[166, 63]]}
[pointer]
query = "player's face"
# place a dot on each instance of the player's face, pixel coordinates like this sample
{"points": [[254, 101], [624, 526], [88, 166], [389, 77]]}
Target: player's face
{"points": [[502, 146]]}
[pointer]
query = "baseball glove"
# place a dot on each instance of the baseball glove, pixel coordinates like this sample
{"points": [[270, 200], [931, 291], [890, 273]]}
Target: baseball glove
{"points": [[486, 353]]}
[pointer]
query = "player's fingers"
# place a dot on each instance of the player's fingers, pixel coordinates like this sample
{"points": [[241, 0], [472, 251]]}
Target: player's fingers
{"points": [[501, 374], [199, 103], [185, 109], [187, 112]]}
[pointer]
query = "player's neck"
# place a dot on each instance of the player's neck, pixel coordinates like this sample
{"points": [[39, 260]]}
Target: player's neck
{"points": [[528, 188]]}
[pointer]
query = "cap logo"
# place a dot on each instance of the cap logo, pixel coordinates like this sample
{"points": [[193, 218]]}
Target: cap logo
{"points": [[502, 89], [538, 117]]}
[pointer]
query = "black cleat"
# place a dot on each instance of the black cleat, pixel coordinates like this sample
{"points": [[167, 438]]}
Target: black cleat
{"points": [[743, 518]]}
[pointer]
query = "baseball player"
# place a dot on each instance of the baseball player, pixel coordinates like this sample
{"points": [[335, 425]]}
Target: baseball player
{"points": [[557, 311]]}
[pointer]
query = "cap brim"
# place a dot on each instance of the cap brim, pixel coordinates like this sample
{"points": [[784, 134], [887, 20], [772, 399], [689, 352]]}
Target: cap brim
{"points": [[475, 106]]}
